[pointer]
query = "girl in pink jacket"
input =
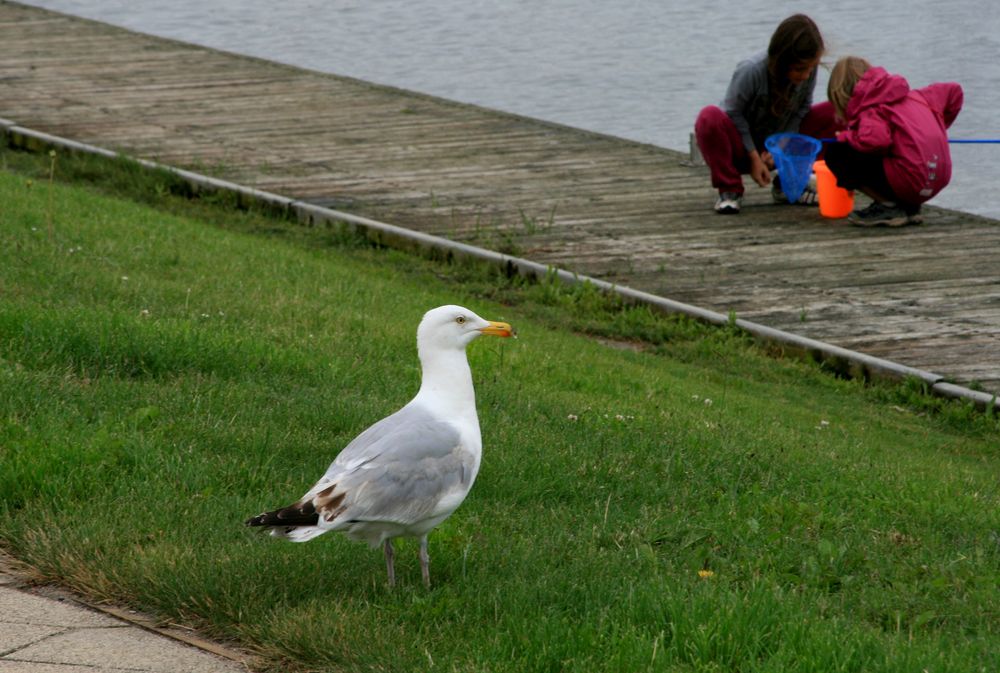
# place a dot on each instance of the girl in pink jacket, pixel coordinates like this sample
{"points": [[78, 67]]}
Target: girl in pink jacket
{"points": [[895, 145]]}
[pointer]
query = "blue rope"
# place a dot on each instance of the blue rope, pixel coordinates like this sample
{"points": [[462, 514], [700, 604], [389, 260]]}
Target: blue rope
{"points": [[953, 141]]}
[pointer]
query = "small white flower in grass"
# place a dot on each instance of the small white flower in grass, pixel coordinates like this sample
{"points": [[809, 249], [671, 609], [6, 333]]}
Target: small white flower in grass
{"points": [[205, 315], [573, 417], [823, 425], [144, 313], [708, 402], [125, 278], [619, 417]]}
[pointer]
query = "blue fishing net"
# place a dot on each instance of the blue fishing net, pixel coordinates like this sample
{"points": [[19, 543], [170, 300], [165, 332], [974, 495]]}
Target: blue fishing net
{"points": [[794, 155]]}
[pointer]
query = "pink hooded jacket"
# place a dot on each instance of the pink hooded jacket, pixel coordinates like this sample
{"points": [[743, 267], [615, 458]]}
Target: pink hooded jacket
{"points": [[907, 127]]}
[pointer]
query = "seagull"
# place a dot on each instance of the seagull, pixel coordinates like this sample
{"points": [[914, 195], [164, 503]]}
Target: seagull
{"points": [[408, 472]]}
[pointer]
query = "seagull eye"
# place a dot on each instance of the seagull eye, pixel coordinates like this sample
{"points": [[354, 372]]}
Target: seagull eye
{"points": [[460, 320]]}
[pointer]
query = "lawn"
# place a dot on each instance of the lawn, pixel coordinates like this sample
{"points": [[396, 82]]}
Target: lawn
{"points": [[655, 494]]}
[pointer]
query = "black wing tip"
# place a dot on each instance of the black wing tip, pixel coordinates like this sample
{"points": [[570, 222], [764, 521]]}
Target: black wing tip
{"points": [[293, 515]]}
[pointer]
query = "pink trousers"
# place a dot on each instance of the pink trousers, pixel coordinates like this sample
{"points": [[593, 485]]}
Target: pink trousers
{"points": [[722, 147]]}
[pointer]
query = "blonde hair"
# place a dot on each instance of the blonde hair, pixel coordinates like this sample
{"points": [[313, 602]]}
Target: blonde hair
{"points": [[844, 76]]}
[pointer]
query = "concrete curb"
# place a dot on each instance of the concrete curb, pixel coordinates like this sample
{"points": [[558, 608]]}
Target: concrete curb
{"points": [[381, 233], [48, 629]]}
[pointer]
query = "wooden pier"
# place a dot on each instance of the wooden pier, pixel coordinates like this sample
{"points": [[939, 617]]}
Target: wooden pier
{"points": [[633, 214]]}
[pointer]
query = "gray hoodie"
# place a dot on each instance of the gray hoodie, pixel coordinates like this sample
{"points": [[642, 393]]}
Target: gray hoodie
{"points": [[748, 103]]}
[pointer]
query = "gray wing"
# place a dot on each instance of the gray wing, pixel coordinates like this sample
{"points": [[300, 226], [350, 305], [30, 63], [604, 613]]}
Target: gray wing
{"points": [[398, 470], [411, 428]]}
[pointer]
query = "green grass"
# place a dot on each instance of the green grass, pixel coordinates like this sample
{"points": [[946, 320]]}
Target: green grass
{"points": [[664, 497]]}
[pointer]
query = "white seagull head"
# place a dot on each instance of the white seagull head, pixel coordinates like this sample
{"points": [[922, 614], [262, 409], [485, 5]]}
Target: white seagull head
{"points": [[453, 327]]}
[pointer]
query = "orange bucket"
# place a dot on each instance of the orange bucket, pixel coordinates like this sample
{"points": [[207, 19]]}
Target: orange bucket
{"points": [[834, 201]]}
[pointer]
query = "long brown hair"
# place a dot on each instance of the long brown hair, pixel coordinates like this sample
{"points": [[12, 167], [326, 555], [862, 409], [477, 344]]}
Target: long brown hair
{"points": [[796, 40]]}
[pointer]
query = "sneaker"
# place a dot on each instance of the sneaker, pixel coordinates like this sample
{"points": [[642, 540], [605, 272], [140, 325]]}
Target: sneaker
{"points": [[883, 215], [729, 203], [808, 197]]}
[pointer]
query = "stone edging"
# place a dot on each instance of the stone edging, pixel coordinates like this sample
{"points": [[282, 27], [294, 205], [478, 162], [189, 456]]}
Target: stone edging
{"points": [[381, 233]]}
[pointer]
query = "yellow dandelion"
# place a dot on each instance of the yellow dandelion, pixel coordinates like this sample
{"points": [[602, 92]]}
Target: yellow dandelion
{"points": [[705, 574]]}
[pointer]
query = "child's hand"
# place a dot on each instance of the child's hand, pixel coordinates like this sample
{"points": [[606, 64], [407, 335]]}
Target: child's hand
{"points": [[759, 170]]}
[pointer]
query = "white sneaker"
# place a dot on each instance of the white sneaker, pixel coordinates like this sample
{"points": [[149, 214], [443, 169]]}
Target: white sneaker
{"points": [[808, 197], [729, 203]]}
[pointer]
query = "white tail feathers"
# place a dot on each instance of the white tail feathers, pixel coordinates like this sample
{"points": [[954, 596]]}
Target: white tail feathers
{"points": [[298, 533]]}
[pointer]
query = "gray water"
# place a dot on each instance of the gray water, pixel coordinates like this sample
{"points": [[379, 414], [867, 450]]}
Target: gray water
{"points": [[640, 69]]}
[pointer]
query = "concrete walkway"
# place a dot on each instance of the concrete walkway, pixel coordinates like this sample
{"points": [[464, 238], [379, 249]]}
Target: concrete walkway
{"points": [[48, 631]]}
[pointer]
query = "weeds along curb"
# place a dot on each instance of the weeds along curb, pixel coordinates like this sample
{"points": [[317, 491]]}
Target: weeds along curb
{"points": [[843, 361]]}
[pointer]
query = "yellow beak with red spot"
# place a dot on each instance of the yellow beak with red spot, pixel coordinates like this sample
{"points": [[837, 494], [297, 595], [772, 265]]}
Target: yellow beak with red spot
{"points": [[500, 329]]}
